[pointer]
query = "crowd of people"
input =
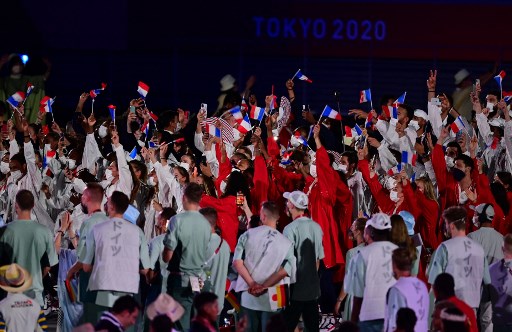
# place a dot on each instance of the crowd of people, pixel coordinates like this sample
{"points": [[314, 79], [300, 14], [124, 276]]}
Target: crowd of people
{"points": [[262, 215]]}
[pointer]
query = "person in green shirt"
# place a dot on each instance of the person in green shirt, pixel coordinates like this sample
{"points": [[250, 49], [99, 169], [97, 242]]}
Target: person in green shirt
{"points": [[185, 246], [25, 242]]}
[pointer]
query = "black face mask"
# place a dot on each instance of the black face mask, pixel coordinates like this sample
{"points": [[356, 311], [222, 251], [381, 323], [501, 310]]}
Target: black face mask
{"points": [[85, 209], [458, 175]]}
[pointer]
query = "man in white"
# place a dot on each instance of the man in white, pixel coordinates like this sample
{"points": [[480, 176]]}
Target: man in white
{"points": [[116, 247], [501, 289], [461, 257], [407, 292], [492, 242], [263, 258], [372, 273]]}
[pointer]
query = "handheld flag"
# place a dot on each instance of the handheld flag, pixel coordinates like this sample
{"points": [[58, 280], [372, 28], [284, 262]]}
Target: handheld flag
{"points": [[16, 99], [330, 113], [499, 78], [409, 158], [243, 106], [212, 130], [232, 299], [153, 116], [30, 87], [368, 123], [401, 99], [145, 128], [301, 76], [133, 153], [300, 139], [457, 125], [143, 89], [45, 105], [391, 111], [228, 134], [257, 113], [285, 159], [278, 296], [365, 96], [245, 126], [112, 110], [237, 114], [94, 93]]}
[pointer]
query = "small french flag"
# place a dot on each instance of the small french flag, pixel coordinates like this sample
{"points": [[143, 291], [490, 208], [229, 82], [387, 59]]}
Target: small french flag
{"points": [[409, 158], [395, 170], [301, 139], [143, 89], [353, 132], [245, 125], [16, 99], [30, 87], [302, 77], [368, 123], [94, 93], [257, 113], [50, 154], [457, 125], [133, 154], [401, 99], [237, 114], [330, 113], [365, 96], [45, 105], [499, 78], [212, 130], [390, 111], [285, 160], [243, 106], [145, 128], [153, 116], [112, 110]]}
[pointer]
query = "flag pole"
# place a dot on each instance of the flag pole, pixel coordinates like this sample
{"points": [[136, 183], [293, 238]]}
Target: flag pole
{"points": [[92, 107], [341, 120], [295, 75]]}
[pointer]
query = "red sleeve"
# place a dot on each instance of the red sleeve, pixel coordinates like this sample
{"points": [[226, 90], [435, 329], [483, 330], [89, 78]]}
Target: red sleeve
{"points": [[286, 180], [410, 200], [259, 193], [378, 192], [439, 165], [224, 167], [272, 147], [326, 178]]}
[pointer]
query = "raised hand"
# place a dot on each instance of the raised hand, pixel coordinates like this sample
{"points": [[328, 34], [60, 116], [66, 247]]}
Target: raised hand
{"points": [[115, 138], [373, 142], [83, 97], [432, 79], [358, 114]]}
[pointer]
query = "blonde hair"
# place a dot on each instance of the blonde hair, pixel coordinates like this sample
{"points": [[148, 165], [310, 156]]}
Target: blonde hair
{"points": [[428, 188]]}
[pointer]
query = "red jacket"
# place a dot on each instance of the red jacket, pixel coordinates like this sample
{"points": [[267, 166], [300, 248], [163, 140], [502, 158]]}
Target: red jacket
{"points": [[227, 221], [259, 192]]}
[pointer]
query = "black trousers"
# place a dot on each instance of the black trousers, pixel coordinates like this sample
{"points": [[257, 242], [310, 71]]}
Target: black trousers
{"points": [[309, 312]]}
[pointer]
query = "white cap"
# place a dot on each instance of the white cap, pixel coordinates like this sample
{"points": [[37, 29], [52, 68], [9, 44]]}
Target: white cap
{"points": [[421, 114], [227, 82], [497, 122], [297, 198], [165, 305], [379, 221], [484, 208], [460, 76]]}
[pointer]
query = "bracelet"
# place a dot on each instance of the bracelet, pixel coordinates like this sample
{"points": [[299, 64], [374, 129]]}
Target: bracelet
{"points": [[74, 237], [62, 232], [431, 90]]}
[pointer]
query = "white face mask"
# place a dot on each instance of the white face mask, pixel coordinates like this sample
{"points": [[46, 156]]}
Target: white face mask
{"points": [[102, 131], [16, 69], [449, 161], [343, 168], [15, 175], [71, 164], [236, 135], [185, 166], [490, 106], [393, 195], [4, 167], [151, 181], [312, 170], [108, 175], [414, 124]]}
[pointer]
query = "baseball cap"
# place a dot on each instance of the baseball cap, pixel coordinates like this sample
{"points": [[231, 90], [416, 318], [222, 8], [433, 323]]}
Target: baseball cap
{"points": [[421, 114], [479, 209], [379, 221], [460, 76], [409, 221], [297, 198]]}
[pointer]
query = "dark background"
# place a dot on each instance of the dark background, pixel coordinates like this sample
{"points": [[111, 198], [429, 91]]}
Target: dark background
{"points": [[182, 49]]}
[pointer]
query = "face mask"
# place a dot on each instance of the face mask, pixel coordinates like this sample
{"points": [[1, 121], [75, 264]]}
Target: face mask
{"points": [[393, 195], [390, 183], [312, 171], [4, 167], [71, 164], [102, 131], [151, 181], [108, 175], [458, 175], [463, 198], [223, 186], [15, 175], [414, 124], [185, 166], [16, 69], [449, 161], [490, 106], [236, 135], [85, 209], [343, 168]]}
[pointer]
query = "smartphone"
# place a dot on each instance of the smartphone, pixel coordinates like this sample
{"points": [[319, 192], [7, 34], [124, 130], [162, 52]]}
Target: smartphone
{"points": [[477, 82], [435, 101], [132, 109], [240, 199], [204, 106]]}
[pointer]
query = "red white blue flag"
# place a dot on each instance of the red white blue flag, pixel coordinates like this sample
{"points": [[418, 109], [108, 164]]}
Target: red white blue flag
{"points": [[257, 113], [365, 96], [330, 113], [143, 89], [302, 77], [16, 99]]}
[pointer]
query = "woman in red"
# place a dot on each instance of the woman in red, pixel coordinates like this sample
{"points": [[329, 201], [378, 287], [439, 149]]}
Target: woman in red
{"points": [[426, 221]]}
